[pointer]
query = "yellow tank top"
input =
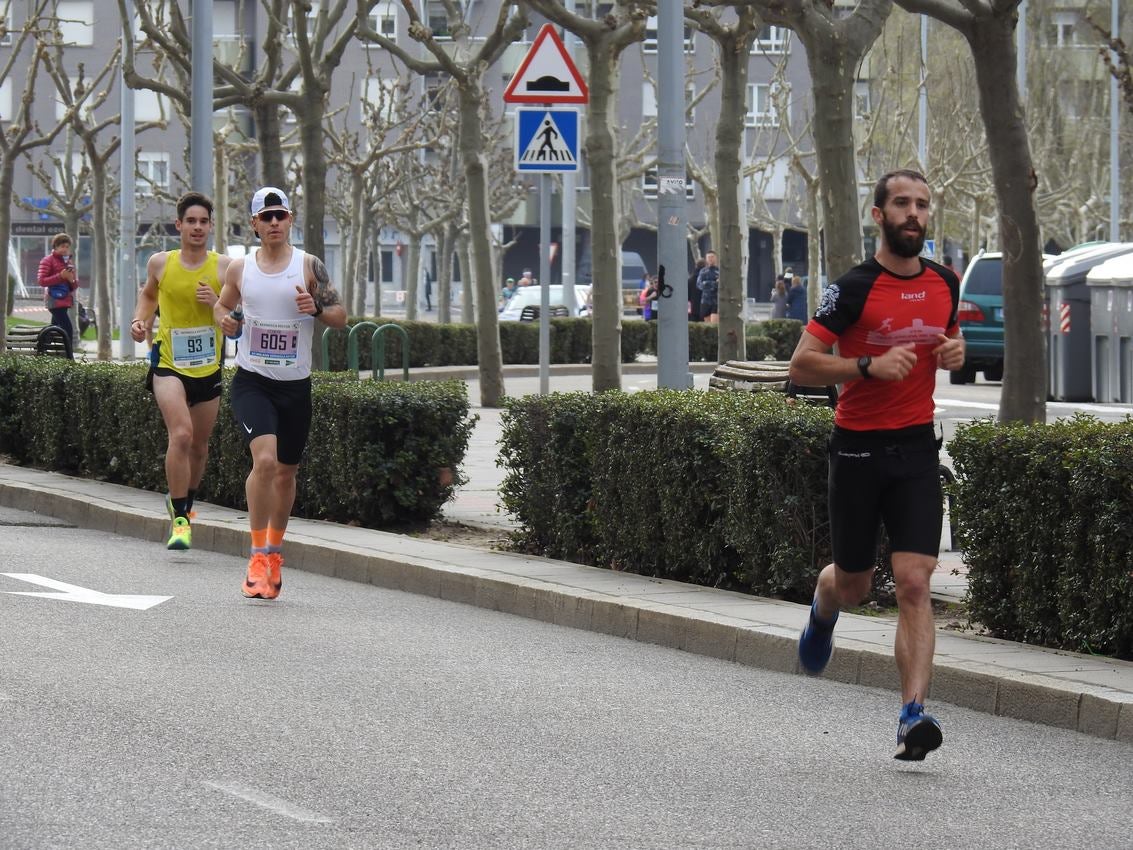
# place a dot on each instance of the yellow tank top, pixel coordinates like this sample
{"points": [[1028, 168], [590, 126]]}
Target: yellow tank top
{"points": [[190, 340]]}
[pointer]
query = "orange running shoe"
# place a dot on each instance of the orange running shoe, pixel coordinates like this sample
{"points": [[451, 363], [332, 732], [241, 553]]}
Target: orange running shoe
{"points": [[256, 585], [275, 564]]}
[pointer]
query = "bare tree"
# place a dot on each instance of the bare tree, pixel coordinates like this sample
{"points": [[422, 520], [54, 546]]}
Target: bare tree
{"points": [[20, 133], [989, 28], [605, 39], [465, 64]]}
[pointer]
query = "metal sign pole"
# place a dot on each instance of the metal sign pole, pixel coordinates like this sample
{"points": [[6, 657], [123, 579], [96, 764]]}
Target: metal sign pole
{"points": [[544, 283]]}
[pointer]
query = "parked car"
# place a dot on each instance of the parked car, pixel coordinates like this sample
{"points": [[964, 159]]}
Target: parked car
{"points": [[981, 318], [532, 296]]}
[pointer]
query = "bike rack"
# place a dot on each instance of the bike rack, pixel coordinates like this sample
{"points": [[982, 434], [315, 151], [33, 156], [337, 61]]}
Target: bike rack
{"points": [[377, 358]]}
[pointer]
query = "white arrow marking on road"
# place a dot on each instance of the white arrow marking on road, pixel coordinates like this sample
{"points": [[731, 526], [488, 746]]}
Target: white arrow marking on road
{"points": [[74, 593]]}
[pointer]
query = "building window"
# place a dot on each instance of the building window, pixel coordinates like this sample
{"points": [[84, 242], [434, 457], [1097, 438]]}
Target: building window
{"points": [[435, 90], [649, 103], [1063, 29], [5, 26], [772, 40], [6, 100], [383, 20], [149, 106], [439, 22], [379, 100], [153, 172], [311, 18], [761, 111], [76, 22], [770, 181], [650, 43], [649, 185], [863, 105], [65, 179]]}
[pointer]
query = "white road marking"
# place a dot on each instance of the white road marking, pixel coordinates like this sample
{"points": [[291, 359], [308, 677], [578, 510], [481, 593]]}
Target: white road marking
{"points": [[269, 802], [944, 403], [74, 593]]}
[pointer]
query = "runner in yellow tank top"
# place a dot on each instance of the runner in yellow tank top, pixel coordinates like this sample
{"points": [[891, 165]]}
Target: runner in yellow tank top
{"points": [[185, 379]]}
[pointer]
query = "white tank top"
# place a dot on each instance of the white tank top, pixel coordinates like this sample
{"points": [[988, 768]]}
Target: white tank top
{"points": [[276, 341]]}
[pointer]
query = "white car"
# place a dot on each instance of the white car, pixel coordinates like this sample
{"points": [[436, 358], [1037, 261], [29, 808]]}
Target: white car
{"points": [[532, 296]]}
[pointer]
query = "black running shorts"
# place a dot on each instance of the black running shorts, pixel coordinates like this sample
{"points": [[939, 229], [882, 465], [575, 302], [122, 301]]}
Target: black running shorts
{"points": [[197, 390], [884, 476], [262, 406]]}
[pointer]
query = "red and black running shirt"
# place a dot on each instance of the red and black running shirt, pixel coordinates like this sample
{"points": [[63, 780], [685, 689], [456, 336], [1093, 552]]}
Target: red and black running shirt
{"points": [[868, 311]]}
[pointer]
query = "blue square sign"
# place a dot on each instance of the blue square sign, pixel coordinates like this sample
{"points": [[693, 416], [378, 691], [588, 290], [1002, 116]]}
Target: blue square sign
{"points": [[546, 140]]}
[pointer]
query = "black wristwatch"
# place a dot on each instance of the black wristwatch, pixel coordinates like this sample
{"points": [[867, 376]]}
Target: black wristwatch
{"points": [[318, 310], [863, 365]]}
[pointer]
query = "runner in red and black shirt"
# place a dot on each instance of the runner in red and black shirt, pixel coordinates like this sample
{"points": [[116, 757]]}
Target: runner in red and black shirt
{"points": [[893, 319]]}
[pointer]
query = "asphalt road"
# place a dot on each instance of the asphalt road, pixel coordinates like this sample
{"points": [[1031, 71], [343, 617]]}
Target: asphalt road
{"points": [[347, 716]]}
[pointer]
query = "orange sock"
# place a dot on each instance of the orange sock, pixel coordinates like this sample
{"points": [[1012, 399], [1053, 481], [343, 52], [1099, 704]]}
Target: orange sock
{"points": [[275, 538], [259, 540]]}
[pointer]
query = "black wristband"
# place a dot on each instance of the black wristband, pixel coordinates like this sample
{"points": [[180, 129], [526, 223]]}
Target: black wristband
{"points": [[863, 366], [318, 310]]}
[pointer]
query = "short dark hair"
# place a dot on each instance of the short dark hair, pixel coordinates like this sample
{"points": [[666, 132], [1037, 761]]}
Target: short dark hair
{"points": [[60, 239], [193, 199], [881, 190]]}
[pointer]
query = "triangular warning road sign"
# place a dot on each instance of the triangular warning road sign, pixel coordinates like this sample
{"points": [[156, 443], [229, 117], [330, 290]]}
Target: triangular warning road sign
{"points": [[547, 74]]}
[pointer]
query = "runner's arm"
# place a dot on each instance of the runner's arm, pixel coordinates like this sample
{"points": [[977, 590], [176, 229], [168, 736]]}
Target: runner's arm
{"points": [[229, 298], [147, 297], [327, 306]]}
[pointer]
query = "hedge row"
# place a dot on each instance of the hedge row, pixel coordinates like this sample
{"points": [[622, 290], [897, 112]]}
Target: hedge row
{"points": [[720, 489], [372, 458], [1045, 518], [432, 344]]}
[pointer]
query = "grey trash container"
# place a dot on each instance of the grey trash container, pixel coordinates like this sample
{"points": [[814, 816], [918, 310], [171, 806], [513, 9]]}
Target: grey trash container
{"points": [[1069, 336], [1111, 314]]}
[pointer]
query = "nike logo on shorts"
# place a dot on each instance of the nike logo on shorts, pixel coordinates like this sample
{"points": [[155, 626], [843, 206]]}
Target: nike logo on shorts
{"points": [[246, 428]]}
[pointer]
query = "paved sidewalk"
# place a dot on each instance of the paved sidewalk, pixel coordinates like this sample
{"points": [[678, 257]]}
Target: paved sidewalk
{"points": [[1092, 695]]}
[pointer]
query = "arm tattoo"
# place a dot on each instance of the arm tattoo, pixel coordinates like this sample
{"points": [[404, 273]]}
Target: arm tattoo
{"points": [[325, 294]]}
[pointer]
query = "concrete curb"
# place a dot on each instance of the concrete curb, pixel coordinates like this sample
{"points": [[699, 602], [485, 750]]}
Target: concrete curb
{"points": [[718, 624]]}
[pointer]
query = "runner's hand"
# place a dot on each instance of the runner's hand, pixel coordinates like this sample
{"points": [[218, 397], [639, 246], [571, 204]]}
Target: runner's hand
{"points": [[950, 352], [304, 301], [205, 294], [895, 364]]}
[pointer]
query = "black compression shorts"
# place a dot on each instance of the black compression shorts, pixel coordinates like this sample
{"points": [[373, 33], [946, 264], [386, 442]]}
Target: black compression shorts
{"points": [[197, 390], [884, 476], [262, 406]]}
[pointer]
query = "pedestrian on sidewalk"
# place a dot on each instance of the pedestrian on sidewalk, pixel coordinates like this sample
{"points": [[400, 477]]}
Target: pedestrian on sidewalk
{"points": [[59, 281], [282, 290], [184, 374], [894, 320]]}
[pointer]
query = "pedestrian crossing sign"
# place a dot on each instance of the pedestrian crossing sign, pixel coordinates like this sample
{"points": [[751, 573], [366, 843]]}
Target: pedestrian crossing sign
{"points": [[546, 140]]}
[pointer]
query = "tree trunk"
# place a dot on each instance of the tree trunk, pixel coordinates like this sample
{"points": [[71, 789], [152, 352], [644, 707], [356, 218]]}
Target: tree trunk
{"points": [[734, 58], [1024, 367], [832, 70], [446, 243], [354, 247], [270, 146], [468, 275], [606, 292], [813, 252], [411, 271], [100, 244], [7, 174], [311, 135]]}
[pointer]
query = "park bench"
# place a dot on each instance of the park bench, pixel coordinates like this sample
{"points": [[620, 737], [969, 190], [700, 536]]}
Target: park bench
{"points": [[33, 339], [767, 376]]}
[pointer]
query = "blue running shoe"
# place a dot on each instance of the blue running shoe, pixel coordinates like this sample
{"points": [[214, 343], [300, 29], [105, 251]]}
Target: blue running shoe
{"points": [[816, 643], [918, 733]]}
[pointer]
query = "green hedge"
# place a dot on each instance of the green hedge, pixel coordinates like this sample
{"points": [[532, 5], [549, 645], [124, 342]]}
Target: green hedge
{"points": [[1043, 514], [432, 344], [372, 458], [722, 489]]}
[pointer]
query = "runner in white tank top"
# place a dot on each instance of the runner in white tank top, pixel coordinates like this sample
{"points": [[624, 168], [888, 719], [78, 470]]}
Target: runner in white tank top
{"points": [[281, 290]]}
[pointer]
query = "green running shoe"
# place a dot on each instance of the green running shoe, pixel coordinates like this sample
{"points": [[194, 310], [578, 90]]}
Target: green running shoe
{"points": [[181, 536]]}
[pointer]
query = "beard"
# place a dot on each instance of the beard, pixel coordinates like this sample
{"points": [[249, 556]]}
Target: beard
{"points": [[901, 243]]}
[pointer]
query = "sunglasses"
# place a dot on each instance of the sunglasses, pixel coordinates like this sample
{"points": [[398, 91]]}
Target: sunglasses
{"points": [[273, 215]]}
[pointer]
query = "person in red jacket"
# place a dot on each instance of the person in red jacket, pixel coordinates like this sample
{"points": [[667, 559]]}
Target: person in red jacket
{"points": [[59, 281]]}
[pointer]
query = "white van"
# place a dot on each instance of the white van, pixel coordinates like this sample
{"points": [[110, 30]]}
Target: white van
{"points": [[532, 296]]}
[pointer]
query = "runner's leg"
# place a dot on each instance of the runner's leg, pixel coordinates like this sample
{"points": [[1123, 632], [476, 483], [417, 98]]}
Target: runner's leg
{"points": [[203, 417], [169, 393], [916, 627]]}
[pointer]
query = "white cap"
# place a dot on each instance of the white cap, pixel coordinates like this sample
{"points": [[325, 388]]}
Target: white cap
{"points": [[269, 198]]}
